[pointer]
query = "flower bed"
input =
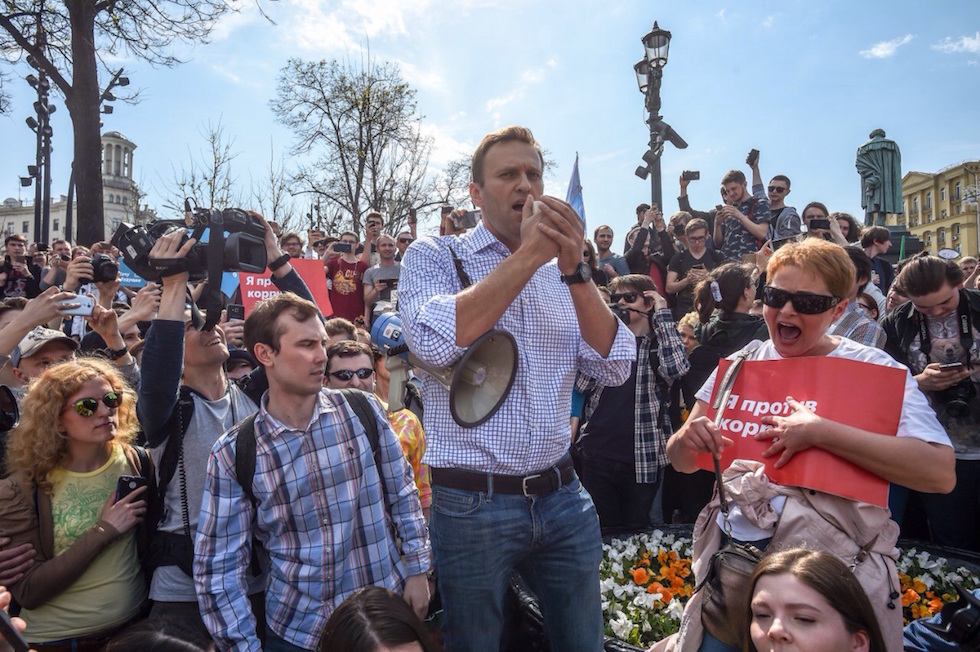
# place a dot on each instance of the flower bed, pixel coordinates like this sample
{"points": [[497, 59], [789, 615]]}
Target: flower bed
{"points": [[646, 579]]}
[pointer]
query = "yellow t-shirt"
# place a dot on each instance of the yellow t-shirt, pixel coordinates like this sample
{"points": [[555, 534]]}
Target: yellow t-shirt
{"points": [[111, 590]]}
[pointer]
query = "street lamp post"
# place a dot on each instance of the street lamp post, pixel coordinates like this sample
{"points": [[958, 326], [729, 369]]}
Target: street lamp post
{"points": [[649, 73], [41, 170]]}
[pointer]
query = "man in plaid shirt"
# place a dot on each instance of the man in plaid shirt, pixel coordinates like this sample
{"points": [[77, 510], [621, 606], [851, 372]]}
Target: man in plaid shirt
{"points": [[624, 436], [320, 499]]}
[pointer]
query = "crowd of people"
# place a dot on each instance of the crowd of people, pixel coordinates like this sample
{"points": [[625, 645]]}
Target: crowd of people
{"points": [[249, 487]]}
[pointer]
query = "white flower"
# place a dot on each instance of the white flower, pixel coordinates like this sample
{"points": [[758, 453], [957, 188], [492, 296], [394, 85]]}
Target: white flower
{"points": [[621, 625]]}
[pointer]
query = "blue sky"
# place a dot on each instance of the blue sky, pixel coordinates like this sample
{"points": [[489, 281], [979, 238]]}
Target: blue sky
{"points": [[804, 82]]}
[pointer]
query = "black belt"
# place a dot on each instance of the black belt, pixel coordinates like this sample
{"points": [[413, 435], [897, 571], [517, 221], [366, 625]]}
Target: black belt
{"points": [[535, 484]]}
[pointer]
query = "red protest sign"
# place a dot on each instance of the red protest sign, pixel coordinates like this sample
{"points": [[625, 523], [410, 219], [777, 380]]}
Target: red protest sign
{"points": [[860, 394], [256, 287]]}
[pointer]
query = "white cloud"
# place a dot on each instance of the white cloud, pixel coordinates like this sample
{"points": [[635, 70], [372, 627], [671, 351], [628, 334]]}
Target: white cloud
{"points": [[886, 49], [529, 77], [964, 44], [426, 77], [720, 14], [445, 147], [767, 23]]}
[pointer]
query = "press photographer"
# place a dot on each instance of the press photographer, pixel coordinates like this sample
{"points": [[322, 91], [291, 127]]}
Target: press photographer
{"points": [[936, 336]]}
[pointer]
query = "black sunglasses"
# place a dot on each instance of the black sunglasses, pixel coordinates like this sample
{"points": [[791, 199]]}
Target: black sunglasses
{"points": [[629, 296], [347, 374], [803, 302], [777, 189], [86, 407], [405, 240]]}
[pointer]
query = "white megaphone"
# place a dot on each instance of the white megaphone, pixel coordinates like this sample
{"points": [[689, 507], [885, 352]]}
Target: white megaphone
{"points": [[477, 384]]}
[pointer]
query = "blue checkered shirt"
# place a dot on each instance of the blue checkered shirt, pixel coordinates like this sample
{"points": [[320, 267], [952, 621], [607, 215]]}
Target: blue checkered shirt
{"points": [[855, 325], [321, 517], [531, 431], [652, 424]]}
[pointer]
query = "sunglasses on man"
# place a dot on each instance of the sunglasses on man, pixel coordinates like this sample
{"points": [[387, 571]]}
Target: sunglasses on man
{"points": [[803, 302], [86, 407], [405, 240], [346, 374], [629, 297], [777, 189]]}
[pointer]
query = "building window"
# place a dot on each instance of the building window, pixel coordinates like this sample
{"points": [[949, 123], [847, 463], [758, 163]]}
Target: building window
{"points": [[915, 204], [942, 213], [56, 226], [125, 201], [959, 208], [959, 248], [956, 229], [24, 227], [942, 194], [928, 200], [956, 191], [941, 236]]}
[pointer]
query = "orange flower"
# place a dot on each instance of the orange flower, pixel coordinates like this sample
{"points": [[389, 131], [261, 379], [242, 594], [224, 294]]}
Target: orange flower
{"points": [[909, 597], [640, 576], [919, 586], [666, 594]]}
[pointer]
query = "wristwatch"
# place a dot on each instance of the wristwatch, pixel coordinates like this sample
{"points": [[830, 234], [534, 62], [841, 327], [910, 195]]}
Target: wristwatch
{"points": [[115, 354], [582, 274]]}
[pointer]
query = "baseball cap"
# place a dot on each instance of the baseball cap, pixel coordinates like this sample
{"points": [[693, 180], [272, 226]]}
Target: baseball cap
{"points": [[36, 339]]}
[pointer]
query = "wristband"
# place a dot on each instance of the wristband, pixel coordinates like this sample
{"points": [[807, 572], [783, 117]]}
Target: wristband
{"points": [[115, 354], [279, 262]]}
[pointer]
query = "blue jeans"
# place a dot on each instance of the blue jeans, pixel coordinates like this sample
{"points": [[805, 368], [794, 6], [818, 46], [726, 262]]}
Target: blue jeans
{"points": [[553, 540]]}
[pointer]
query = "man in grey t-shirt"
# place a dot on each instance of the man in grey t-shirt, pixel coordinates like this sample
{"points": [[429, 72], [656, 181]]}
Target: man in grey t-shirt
{"points": [[381, 281]]}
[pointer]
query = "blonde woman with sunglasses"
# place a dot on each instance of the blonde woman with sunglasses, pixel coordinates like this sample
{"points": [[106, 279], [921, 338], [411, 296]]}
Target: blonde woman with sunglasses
{"points": [[71, 463]]}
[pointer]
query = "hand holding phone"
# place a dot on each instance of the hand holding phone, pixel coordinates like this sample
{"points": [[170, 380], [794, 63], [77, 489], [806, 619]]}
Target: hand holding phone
{"points": [[81, 306], [127, 484], [11, 634]]}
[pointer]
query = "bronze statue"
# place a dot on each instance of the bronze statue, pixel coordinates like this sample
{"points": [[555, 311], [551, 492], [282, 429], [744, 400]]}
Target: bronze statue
{"points": [[880, 165]]}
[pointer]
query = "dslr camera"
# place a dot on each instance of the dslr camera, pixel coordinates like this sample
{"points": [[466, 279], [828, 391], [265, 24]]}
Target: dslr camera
{"points": [[957, 398], [236, 238], [104, 269]]}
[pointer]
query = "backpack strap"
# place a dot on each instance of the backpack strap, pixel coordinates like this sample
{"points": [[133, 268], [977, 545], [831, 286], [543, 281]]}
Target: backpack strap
{"points": [[245, 456], [358, 401]]}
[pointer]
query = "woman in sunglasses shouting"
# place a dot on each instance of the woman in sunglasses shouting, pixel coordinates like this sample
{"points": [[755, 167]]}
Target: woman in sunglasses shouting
{"points": [[808, 283], [76, 491]]}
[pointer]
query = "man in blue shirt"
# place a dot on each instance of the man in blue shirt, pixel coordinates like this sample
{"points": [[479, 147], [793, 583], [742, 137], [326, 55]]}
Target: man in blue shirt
{"points": [[505, 495], [320, 499]]}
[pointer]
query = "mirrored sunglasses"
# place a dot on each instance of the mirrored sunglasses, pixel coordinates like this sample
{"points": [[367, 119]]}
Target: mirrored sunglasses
{"points": [[803, 302], [346, 374], [86, 407]]}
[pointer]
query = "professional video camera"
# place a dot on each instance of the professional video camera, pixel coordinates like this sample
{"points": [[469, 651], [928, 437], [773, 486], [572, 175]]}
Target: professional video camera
{"points": [[243, 249]]}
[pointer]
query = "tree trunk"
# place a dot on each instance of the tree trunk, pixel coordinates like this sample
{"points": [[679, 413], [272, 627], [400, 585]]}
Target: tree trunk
{"points": [[84, 106]]}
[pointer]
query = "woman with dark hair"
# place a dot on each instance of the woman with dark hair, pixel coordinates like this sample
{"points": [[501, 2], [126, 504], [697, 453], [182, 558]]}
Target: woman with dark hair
{"points": [[848, 226], [808, 600], [374, 620], [599, 277], [807, 286], [729, 289], [65, 457]]}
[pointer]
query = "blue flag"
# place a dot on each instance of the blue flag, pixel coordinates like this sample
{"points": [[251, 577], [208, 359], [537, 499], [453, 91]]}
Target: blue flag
{"points": [[574, 194]]}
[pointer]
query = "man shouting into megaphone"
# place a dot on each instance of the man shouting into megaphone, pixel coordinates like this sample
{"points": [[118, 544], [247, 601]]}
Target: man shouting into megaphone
{"points": [[504, 493]]}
